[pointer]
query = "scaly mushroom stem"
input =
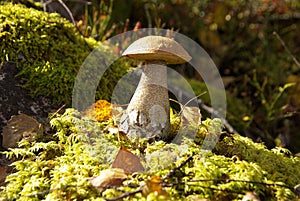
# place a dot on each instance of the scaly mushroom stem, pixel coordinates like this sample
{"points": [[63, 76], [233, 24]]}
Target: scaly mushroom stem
{"points": [[149, 108], [148, 112]]}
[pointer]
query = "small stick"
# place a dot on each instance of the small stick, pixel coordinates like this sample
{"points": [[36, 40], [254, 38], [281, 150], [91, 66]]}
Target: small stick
{"points": [[172, 172], [124, 195], [286, 48], [57, 111], [207, 108], [63, 5]]}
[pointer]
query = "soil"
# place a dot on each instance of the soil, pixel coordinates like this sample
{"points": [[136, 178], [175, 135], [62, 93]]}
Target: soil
{"points": [[14, 100]]}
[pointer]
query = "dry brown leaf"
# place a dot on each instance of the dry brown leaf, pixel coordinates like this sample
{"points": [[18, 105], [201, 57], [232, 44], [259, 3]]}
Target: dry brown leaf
{"points": [[127, 161], [154, 184], [18, 127], [113, 177]]}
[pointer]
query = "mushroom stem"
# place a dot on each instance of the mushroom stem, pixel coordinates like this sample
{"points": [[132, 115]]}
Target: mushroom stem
{"points": [[149, 108], [148, 113]]}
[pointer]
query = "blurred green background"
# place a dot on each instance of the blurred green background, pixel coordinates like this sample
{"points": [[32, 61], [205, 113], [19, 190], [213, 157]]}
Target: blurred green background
{"points": [[254, 44]]}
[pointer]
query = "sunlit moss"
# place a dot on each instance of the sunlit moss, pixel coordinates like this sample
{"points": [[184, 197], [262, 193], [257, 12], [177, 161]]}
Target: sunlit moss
{"points": [[61, 168], [49, 52]]}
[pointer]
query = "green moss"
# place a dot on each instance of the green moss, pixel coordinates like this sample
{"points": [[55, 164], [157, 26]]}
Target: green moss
{"points": [[279, 163], [59, 169], [81, 148], [49, 52]]}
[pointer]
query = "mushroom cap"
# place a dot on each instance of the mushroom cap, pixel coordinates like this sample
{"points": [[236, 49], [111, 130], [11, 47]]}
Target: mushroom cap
{"points": [[157, 48]]}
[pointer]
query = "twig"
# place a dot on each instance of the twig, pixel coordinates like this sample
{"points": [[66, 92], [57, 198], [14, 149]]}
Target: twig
{"points": [[63, 5], [216, 113], [292, 16], [124, 195], [82, 1], [57, 111], [164, 184], [244, 181], [294, 189], [286, 48], [208, 109], [211, 188], [185, 105], [173, 171]]}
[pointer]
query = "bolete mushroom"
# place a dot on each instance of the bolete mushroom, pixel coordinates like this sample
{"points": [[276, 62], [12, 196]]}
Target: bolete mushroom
{"points": [[148, 113]]}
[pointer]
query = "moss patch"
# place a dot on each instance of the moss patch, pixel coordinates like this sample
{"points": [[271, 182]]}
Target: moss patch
{"points": [[60, 169], [49, 52]]}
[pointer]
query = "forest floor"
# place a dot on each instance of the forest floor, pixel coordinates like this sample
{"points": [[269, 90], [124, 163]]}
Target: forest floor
{"points": [[14, 100]]}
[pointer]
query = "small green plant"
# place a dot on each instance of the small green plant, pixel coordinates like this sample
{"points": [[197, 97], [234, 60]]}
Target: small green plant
{"points": [[96, 20], [270, 104]]}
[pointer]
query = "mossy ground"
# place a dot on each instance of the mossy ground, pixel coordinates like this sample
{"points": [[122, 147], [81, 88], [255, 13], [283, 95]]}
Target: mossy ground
{"points": [[60, 169], [49, 53]]}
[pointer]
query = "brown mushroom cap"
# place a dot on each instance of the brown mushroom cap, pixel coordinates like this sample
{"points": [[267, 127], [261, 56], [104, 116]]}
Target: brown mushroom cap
{"points": [[157, 48]]}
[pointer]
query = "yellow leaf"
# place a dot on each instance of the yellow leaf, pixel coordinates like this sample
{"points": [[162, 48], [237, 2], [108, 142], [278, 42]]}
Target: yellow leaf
{"points": [[154, 184]]}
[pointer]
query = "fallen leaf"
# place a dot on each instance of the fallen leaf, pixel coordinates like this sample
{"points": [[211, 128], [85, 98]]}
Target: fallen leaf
{"points": [[127, 161], [20, 127], [154, 184], [191, 115], [113, 177], [99, 111]]}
